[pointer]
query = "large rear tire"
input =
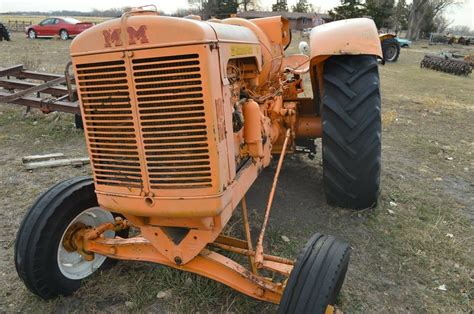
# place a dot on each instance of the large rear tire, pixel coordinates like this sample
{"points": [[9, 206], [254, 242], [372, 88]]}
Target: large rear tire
{"points": [[46, 267], [351, 140], [390, 49], [317, 277]]}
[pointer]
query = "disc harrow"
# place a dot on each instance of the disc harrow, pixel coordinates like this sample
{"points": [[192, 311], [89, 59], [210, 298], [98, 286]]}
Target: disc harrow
{"points": [[446, 64]]}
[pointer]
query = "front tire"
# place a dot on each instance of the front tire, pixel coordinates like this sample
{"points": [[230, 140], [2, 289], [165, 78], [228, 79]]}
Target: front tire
{"points": [[351, 140], [317, 276], [42, 262], [78, 122], [31, 34]]}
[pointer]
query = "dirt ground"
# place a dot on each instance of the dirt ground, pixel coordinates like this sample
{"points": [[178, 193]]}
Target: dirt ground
{"points": [[419, 237]]}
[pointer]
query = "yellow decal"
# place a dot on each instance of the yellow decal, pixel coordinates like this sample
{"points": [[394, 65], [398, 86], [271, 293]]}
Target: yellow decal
{"points": [[238, 50]]}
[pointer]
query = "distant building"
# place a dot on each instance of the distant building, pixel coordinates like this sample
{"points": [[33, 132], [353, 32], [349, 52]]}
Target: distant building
{"points": [[298, 21]]}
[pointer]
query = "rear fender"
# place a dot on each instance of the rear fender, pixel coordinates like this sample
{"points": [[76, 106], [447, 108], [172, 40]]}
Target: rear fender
{"points": [[346, 37], [382, 37]]}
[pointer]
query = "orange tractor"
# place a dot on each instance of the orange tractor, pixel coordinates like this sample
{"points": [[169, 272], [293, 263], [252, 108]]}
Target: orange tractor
{"points": [[180, 117]]}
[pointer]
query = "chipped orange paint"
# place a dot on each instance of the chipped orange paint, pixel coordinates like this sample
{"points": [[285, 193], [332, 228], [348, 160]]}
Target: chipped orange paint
{"points": [[112, 37], [207, 263], [135, 35]]}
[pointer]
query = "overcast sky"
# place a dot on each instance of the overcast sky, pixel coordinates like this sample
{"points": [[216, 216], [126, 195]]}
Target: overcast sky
{"points": [[463, 15]]}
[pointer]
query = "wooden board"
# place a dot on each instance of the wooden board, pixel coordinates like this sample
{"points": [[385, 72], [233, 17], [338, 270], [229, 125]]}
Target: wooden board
{"points": [[31, 158], [76, 162]]}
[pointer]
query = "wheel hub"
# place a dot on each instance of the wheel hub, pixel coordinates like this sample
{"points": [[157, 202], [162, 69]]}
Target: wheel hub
{"points": [[69, 236], [72, 263], [391, 51]]}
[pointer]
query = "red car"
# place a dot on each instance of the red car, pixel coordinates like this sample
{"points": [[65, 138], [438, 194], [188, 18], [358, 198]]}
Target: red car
{"points": [[64, 27]]}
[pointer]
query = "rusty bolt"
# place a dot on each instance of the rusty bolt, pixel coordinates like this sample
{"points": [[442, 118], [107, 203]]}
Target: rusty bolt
{"points": [[178, 260], [260, 292]]}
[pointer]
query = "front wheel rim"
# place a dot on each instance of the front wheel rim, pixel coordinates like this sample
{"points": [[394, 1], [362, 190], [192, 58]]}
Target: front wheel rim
{"points": [[64, 35], [71, 264], [32, 34]]}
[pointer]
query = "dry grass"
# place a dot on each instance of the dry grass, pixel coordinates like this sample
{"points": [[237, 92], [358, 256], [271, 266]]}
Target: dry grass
{"points": [[398, 259], [388, 117]]}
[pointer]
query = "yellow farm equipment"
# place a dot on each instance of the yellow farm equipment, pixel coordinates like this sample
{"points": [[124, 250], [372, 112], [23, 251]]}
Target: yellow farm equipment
{"points": [[390, 47], [180, 117]]}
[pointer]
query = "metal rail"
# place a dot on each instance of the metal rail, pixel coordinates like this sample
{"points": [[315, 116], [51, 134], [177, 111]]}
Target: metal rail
{"points": [[45, 91]]}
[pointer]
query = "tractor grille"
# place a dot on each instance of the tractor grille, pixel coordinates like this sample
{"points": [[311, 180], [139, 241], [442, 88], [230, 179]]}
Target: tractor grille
{"points": [[154, 134], [109, 123], [172, 121]]}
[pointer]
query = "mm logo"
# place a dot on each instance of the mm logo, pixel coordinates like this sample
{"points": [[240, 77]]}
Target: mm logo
{"points": [[113, 37]]}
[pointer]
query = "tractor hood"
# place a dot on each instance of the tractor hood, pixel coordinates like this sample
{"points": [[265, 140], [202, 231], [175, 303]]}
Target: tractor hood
{"points": [[143, 31]]}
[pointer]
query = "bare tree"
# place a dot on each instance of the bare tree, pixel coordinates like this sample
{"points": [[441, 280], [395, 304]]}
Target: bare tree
{"points": [[421, 10], [462, 30], [441, 23], [415, 18]]}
